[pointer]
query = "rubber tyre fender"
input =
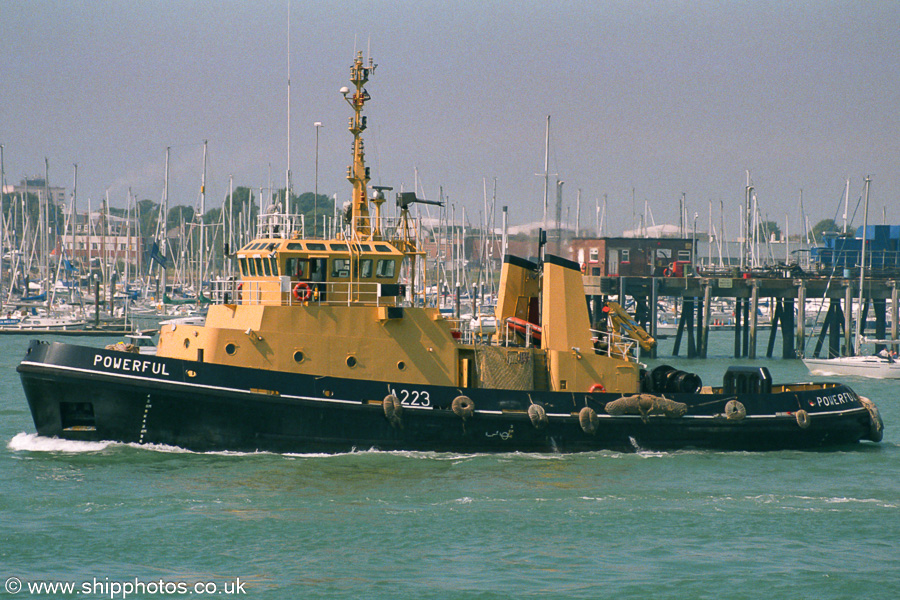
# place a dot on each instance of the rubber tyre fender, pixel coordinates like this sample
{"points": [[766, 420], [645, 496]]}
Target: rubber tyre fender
{"points": [[803, 419], [588, 420], [876, 425], [538, 416], [463, 407], [393, 409], [735, 411]]}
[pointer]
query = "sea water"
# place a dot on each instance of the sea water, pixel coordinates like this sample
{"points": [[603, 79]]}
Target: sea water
{"points": [[115, 520]]}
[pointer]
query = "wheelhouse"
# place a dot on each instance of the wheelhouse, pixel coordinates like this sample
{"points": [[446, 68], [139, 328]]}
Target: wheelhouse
{"points": [[323, 271]]}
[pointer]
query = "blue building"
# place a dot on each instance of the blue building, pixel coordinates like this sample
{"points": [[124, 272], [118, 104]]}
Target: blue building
{"points": [[843, 253]]}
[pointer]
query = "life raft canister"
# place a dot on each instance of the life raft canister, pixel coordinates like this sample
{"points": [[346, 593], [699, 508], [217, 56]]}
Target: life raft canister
{"points": [[302, 292]]}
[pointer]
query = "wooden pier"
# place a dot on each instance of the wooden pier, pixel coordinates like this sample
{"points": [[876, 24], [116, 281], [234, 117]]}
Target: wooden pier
{"points": [[786, 295]]}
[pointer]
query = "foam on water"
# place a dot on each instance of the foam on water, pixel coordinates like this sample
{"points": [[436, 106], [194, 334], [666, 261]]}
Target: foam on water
{"points": [[32, 442]]}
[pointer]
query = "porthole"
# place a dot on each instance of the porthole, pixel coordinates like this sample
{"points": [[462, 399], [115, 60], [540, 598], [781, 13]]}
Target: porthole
{"points": [[298, 356], [401, 365], [351, 361], [230, 349]]}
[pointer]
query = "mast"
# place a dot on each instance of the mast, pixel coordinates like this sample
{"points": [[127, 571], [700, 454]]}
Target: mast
{"points": [[546, 171], [358, 173], [746, 224], [578, 213], [44, 221], [164, 250], [3, 225], [846, 203], [862, 268], [230, 247], [202, 212], [287, 185], [74, 209]]}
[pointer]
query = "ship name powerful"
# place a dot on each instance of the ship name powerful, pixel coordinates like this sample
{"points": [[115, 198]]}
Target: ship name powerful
{"points": [[130, 365], [834, 400]]}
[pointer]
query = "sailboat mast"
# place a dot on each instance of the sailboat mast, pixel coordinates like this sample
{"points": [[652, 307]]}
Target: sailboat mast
{"points": [[862, 268], [202, 214], [287, 186], [546, 171], [74, 210], [2, 223], [45, 214], [164, 250], [846, 203], [230, 225]]}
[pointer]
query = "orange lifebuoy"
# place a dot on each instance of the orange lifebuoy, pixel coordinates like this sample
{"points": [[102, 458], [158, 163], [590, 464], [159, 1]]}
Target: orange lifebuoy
{"points": [[302, 292], [597, 387]]}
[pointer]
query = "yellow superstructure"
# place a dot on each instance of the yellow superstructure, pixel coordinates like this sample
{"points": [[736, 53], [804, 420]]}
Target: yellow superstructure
{"points": [[338, 308]]}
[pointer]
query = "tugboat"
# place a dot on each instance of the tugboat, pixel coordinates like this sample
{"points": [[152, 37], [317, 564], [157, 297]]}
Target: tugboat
{"points": [[323, 347]]}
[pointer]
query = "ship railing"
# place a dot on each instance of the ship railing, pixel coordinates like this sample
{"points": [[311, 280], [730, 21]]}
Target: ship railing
{"points": [[613, 344], [461, 330], [513, 335], [274, 223], [292, 293]]}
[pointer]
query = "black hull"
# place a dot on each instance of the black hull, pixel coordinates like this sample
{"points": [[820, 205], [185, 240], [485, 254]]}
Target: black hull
{"points": [[82, 393]]}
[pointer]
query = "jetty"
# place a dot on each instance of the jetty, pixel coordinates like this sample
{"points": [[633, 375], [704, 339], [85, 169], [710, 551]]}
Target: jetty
{"points": [[787, 295]]}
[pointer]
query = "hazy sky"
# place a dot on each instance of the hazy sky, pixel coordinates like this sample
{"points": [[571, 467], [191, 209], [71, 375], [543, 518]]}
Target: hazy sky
{"points": [[662, 98]]}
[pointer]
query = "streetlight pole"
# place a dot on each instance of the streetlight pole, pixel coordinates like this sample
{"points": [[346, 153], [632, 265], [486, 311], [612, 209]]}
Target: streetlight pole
{"points": [[317, 125]]}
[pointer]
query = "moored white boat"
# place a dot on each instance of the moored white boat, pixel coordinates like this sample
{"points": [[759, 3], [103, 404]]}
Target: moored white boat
{"points": [[861, 366]]}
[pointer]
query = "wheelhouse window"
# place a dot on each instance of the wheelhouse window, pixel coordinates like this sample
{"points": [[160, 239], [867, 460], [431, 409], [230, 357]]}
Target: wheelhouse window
{"points": [[243, 263], [251, 264], [298, 268], [340, 268], [385, 269], [365, 268], [274, 263]]}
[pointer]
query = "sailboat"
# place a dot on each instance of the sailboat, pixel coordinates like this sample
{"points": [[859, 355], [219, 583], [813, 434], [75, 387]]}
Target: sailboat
{"points": [[880, 366]]}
